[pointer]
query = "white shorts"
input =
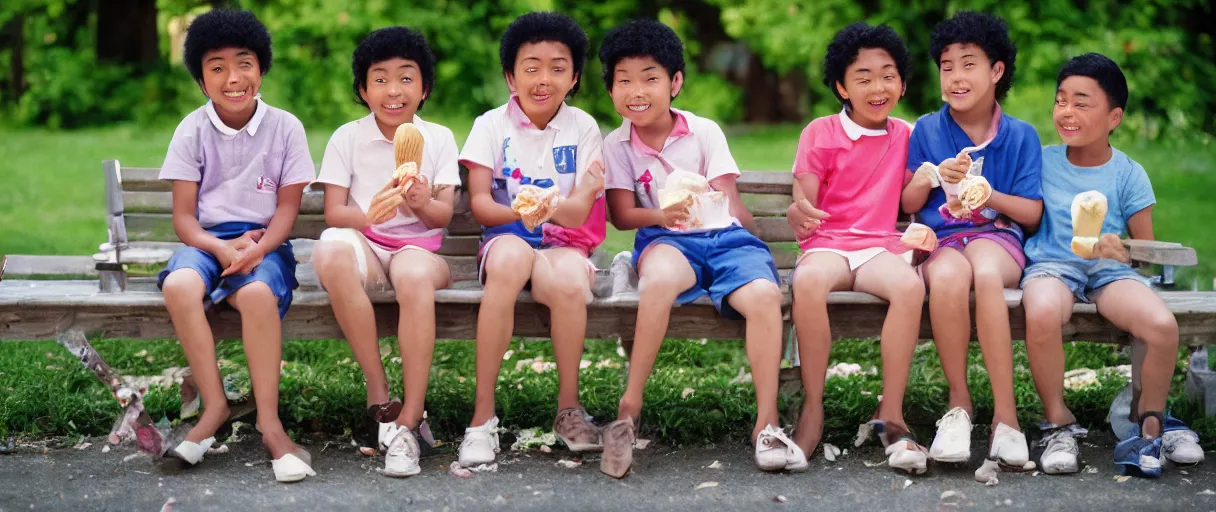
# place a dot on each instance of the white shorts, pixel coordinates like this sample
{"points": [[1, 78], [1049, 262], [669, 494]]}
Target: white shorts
{"points": [[856, 258], [374, 275]]}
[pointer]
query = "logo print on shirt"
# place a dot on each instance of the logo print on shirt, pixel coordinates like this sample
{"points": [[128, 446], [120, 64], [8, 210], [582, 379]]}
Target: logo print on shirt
{"points": [[510, 166], [266, 185], [565, 159], [645, 180]]}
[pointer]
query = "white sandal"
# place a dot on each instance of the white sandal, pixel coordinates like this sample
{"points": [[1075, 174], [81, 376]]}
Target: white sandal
{"points": [[192, 452], [292, 468]]}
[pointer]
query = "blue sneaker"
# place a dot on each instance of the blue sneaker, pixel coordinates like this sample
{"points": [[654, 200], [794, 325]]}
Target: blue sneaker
{"points": [[1139, 456]]}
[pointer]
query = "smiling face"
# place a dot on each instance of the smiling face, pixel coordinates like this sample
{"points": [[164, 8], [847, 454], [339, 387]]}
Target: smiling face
{"points": [[543, 76], [872, 86], [642, 90], [232, 79], [968, 77], [1083, 115], [393, 92]]}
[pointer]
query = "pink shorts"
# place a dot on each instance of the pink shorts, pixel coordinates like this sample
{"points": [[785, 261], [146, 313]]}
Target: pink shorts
{"points": [[959, 241]]}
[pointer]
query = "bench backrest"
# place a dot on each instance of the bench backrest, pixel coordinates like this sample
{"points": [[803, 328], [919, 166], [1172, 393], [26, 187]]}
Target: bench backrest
{"points": [[145, 203]]}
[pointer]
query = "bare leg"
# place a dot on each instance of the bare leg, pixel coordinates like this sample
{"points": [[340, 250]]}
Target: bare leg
{"points": [[1133, 307], [561, 281], [508, 268], [888, 277], [995, 270], [760, 304], [335, 263], [948, 279], [1048, 303], [262, 337], [817, 275], [184, 290], [415, 276]]}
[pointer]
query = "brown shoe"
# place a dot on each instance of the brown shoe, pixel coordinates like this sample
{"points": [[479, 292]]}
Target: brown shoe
{"points": [[618, 448], [573, 426]]}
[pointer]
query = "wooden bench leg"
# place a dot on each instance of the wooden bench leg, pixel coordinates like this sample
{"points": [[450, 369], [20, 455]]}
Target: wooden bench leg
{"points": [[134, 422], [626, 344]]}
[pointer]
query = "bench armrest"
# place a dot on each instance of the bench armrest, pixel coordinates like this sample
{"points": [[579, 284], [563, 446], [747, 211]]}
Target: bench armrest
{"points": [[1161, 253]]}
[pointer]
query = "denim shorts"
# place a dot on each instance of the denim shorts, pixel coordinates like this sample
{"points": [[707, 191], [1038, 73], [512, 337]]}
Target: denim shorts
{"points": [[277, 269], [1083, 279]]}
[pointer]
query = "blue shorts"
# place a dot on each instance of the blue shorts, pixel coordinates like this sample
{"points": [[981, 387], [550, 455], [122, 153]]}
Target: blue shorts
{"points": [[723, 260], [277, 269], [1083, 281]]}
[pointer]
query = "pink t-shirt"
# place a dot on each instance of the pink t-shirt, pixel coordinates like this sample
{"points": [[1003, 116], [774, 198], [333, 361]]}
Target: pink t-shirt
{"points": [[861, 173], [696, 145]]}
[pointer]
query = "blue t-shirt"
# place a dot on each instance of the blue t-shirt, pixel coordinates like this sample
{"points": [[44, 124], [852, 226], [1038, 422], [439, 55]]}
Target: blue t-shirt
{"points": [[1012, 164], [1121, 180]]}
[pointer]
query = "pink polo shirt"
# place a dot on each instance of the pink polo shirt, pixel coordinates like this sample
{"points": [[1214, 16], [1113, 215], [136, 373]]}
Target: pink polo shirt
{"points": [[861, 173]]}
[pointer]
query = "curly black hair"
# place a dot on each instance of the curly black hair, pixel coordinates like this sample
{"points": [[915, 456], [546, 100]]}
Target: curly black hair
{"points": [[388, 43], [536, 27], [642, 38], [987, 31], [1104, 71], [847, 45], [225, 28]]}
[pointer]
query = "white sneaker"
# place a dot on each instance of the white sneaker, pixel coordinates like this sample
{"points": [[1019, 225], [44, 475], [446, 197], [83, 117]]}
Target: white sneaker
{"points": [[908, 456], [480, 444], [1060, 457], [1182, 447], [387, 432], [953, 440], [775, 451], [402, 457], [1009, 447]]}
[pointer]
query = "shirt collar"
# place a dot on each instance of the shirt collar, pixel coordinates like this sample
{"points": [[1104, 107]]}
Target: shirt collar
{"points": [[369, 131], [856, 131], [680, 129], [516, 113], [251, 126]]}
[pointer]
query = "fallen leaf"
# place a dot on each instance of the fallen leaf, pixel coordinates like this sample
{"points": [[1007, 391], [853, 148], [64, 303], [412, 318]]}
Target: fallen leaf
{"points": [[874, 464], [705, 485], [1206, 492], [459, 472], [986, 474], [568, 464], [1091, 469], [168, 506], [141, 353], [715, 465], [367, 451], [779, 499], [641, 444], [907, 483], [1122, 478], [950, 495], [584, 364], [223, 448], [545, 449], [508, 355], [105, 449], [687, 393], [83, 446]]}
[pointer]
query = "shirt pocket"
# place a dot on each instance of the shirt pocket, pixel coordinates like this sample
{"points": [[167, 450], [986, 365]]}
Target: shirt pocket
{"points": [[565, 159]]}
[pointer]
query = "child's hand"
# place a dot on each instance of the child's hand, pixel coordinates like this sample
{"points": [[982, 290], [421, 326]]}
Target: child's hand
{"points": [[927, 174], [419, 194], [676, 216], [232, 249], [1110, 246], [953, 171], [593, 181], [245, 262], [384, 205], [805, 218]]}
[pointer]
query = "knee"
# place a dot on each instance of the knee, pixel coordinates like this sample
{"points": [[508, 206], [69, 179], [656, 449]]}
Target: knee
{"points": [[660, 282], [1160, 329], [952, 279], [256, 297], [908, 288], [330, 258], [570, 288], [987, 277], [510, 261], [183, 286], [759, 297], [812, 283], [413, 284]]}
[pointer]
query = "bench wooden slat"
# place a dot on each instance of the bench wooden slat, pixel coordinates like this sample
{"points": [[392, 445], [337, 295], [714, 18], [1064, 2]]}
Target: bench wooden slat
{"points": [[1161, 253], [39, 311], [311, 203], [766, 182]]}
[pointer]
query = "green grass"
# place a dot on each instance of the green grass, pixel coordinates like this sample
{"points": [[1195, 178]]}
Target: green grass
{"points": [[45, 392]]}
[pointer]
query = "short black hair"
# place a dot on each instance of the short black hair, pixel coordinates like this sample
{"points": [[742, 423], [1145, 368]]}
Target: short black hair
{"points": [[536, 27], [847, 45], [225, 28], [987, 31], [389, 43], [1104, 71], [642, 38]]}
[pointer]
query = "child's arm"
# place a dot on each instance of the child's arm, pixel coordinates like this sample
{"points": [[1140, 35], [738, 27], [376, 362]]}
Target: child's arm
{"points": [[338, 213], [1026, 212], [432, 206], [277, 232], [916, 192], [485, 211], [191, 233], [726, 184], [627, 215], [802, 214], [572, 211]]}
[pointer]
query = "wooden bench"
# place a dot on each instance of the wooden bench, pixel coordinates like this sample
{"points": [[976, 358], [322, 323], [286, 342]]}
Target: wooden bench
{"points": [[113, 293]]}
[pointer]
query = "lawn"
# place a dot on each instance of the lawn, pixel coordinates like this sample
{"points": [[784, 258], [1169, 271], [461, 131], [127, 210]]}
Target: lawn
{"points": [[52, 204]]}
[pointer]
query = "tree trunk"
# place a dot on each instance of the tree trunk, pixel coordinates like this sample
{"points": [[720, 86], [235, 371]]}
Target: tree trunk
{"points": [[14, 36], [126, 31]]}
